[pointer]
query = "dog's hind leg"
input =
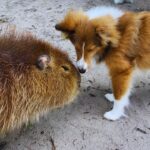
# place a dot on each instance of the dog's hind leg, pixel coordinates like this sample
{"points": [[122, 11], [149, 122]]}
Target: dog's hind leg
{"points": [[121, 87]]}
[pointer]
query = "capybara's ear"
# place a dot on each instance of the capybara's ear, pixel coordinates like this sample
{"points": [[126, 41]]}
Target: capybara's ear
{"points": [[42, 62], [70, 21], [106, 30]]}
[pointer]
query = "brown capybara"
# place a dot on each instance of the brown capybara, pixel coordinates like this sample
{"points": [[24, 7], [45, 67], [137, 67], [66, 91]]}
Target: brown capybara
{"points": [[34, 78]]}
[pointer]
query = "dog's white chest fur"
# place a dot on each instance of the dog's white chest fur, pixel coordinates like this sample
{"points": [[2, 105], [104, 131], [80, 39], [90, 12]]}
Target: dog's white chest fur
{"points": [[104, 11]]}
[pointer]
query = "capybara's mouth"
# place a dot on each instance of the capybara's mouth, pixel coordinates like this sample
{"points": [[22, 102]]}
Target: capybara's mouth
{"points": [[79, 82], [79, 78]]}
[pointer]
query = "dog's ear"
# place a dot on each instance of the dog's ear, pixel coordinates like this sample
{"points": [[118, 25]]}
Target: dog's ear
{"points": [[42, 62], [106, 31], [70, 22]]}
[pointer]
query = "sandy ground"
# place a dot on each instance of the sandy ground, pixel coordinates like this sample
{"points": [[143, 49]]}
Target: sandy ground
{"points": [[79, 126]]}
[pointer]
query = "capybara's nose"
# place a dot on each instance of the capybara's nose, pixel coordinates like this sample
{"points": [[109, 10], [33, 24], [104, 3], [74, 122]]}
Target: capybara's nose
{"points": [[82, 70]]}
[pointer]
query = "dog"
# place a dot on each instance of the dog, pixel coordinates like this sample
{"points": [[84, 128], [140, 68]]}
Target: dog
{"points": [[118, 38]]}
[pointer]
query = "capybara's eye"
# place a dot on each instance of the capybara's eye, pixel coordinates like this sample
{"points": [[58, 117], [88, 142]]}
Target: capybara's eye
{"points": [[66, 68]]}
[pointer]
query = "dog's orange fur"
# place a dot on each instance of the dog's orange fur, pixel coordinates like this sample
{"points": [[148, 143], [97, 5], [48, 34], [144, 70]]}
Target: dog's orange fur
{"points": [[128, 38]]}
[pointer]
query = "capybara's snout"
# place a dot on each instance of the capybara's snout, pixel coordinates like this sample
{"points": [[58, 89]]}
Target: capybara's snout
{"points": [[78, 76]]}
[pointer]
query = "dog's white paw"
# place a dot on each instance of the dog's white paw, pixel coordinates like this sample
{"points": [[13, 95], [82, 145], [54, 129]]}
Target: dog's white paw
{"points": [[118, 1], [110, 97], [113, 115]]}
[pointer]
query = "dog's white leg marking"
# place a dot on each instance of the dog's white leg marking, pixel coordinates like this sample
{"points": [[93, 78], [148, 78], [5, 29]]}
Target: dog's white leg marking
{"points": [[118, 1], [118, 107], [110, 97]]}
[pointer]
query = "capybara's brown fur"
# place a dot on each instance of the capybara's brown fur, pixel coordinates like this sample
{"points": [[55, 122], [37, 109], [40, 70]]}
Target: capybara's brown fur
{"points": [[30, 85]]}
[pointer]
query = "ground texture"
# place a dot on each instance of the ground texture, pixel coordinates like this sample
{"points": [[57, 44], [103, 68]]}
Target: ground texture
{"points": [[79, 126]]}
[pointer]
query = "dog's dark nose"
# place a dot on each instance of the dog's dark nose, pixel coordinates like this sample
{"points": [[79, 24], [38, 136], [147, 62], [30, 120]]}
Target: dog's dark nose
{"points": [[82, 70], [57, 27]]}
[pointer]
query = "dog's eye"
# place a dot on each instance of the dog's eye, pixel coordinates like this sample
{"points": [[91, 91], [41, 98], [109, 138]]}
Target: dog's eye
{"points": [[89, 50], [72, 36]]}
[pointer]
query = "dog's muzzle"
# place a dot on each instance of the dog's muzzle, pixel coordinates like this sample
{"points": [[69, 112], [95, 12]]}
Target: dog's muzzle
{"points": [[82, 70], [82, 66]]}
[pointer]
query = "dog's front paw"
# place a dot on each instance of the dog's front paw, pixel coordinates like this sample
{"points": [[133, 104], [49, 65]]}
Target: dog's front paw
{"points": [[109, 97], [112, 115]]}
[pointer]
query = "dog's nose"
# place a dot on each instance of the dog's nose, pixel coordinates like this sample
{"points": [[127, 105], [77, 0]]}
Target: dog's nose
{"points": [[57, 27], [82, 70]]}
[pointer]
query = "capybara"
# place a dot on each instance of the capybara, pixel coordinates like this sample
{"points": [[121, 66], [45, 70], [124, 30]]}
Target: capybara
{"points": [[34, 78]]}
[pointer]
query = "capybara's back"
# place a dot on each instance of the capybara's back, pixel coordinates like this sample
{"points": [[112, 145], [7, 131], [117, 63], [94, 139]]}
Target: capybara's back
{"points": [[34, 78]]}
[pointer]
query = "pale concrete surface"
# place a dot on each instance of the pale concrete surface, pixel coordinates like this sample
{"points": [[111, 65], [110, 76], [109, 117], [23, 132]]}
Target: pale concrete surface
{"points": [[79, 126]]}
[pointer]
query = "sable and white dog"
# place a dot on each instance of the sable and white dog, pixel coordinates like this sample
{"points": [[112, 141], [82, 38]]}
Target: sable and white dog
{"points": [[120, 39]]}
